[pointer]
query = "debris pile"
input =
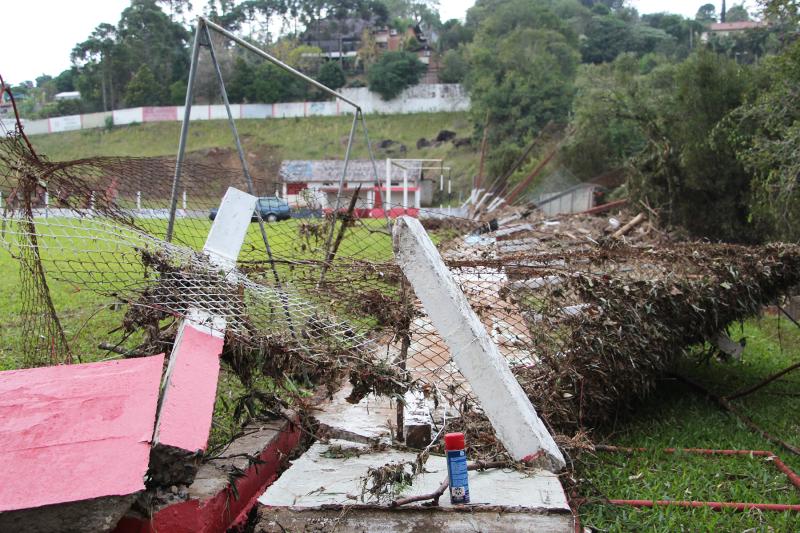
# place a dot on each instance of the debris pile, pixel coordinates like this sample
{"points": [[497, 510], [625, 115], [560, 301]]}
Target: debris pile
{"points": [[588, 310]]}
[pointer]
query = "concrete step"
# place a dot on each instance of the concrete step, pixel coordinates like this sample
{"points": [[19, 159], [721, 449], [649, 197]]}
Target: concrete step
{"points": [[324, 490]]}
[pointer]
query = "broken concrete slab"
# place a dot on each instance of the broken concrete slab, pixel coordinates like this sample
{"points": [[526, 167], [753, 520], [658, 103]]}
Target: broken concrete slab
{"points": [[514, 246], [317, 478], [506, 405], [187, 405], [75, 441], [96, 515], [417, 420], [370, 421], [210, 505], [230, 226], [325, 484], [505, 233], [414, 520], [190, 381]]}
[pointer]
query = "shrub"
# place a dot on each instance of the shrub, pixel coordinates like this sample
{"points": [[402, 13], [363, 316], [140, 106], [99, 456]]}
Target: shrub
{"points": [[332, 75], [394, 72]]}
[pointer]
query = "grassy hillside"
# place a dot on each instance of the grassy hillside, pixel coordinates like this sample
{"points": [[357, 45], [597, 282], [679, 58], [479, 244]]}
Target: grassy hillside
{"points": [[276, 139]]}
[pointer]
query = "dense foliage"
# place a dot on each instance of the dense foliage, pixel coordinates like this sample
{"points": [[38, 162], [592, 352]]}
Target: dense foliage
{"points": [[704, 125], [691, 117], [394, 72]]}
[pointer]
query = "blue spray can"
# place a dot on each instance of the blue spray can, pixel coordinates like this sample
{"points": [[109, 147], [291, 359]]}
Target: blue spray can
{"points": [[457, 467]]}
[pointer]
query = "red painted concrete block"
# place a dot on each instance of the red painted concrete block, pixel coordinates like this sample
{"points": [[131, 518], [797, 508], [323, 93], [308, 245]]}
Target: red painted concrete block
{"points": [[70, 433], [190, 391], [216, 510]]}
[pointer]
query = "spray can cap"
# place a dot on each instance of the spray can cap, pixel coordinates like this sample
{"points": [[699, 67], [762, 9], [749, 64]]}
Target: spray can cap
{"points": [[454, 441]]}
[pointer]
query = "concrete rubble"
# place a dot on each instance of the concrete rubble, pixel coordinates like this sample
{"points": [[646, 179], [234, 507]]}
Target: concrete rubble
{"points": [[323, 489]]}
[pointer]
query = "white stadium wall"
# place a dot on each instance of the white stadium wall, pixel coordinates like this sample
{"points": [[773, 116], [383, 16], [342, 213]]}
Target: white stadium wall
{"points": [[418, 99]]}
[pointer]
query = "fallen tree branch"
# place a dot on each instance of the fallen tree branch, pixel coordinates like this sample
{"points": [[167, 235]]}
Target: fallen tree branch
{"points": [[790, 317], [763, 383], [604, 207], [107, 346], [434, 496], [725, 405], [624, 230]]}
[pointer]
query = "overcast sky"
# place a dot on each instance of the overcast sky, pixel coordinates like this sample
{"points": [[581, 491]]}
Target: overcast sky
{"points": [[39, 34]]}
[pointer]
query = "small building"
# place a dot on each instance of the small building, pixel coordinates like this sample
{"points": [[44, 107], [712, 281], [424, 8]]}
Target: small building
{"points": [[726, 29], [389, 40], [67, 95], [315, 184]]}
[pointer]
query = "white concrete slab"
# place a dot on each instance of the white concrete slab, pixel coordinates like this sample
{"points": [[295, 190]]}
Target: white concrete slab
{"points": [[478, 358], [317, 479], [229, 228], [368, 421], [190, 381]]}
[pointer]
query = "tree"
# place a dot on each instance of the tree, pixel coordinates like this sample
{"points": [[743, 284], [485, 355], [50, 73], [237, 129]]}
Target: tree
{"points": [[394, 72], [453, 34], [97, 54], [706, 14], [176, 7], [606, 134], [332, 75], [241, 81], [146, 34], [522, 64], [606, 38], [765, 132], [686, 167], [454, 67], [143, 89], [414, 12], [737, 13], [110, 57], [65, 81], [783, 10], [368, 51], [263, 82], [682, 30]]}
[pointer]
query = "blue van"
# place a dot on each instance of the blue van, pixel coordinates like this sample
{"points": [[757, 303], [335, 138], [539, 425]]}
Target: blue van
{"points": [[269, 208]]}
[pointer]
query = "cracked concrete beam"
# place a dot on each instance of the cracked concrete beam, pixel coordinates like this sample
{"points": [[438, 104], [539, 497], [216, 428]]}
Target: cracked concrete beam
{"points": [[513, 417]]}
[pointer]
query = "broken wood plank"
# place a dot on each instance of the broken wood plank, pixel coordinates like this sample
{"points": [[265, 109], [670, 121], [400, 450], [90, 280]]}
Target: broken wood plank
{"points": [[624, 230]]}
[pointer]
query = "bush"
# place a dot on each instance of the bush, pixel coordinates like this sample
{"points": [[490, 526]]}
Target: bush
{"points": [[177, 93], [454, 67], [394, 72], [143, 89], [332, 75]]}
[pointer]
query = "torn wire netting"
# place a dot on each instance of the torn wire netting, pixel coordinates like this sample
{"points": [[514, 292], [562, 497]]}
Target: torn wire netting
{"points": [[586, 321]]}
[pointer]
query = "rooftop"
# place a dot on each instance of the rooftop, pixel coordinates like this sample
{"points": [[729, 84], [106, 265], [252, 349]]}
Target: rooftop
{"points": [[359, 170], [737, 26]]}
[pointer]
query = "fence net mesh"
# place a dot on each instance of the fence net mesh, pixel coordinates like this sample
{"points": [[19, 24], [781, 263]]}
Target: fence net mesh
{"points": [[586, 320]]}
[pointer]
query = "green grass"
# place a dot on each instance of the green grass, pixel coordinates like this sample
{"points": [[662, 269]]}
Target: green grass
{"points": [[275, 139], [87, 317], [677, 417]]}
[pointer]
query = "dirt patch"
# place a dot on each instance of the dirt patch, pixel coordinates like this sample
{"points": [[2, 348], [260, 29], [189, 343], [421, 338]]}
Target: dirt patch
{"points": [[262, 161]]}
